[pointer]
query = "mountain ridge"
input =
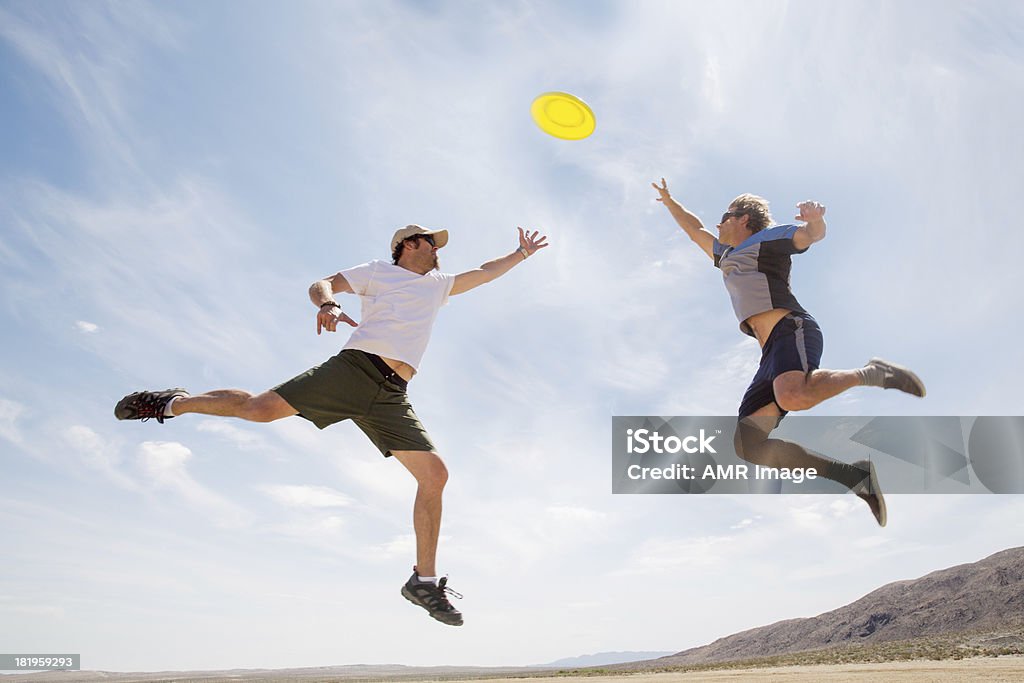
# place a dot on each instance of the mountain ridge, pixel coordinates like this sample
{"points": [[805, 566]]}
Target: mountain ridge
{"points": [[976, 596]]}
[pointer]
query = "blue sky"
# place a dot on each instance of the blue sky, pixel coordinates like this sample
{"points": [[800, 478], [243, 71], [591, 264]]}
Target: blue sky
{"points": [[173, 177]]}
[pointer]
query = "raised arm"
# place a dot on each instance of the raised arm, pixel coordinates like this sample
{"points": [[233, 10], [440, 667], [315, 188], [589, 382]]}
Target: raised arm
{"points": [[529, 244], [321, 293], [813, 214], [690, 224]]}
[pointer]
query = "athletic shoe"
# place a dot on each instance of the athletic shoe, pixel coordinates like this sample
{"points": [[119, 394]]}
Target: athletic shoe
{"points": [[870, 492], [144, 405], [433, 598], [898, 377]]}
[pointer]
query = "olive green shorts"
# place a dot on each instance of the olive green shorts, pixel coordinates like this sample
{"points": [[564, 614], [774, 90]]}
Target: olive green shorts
{"points": [[349, 387]]}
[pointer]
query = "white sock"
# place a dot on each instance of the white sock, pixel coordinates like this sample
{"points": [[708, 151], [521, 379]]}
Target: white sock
{"points": [[427, 579], [168, 412], [871, 376]]}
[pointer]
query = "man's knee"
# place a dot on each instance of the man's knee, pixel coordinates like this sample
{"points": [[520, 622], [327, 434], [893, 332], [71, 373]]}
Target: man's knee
{"points": [[266, 407], [427, 466], [435, 474], [752, 433], [748, 438]]}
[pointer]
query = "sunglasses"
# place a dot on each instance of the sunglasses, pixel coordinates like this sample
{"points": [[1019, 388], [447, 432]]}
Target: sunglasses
{"points": [[730, 214], [429, 239]]}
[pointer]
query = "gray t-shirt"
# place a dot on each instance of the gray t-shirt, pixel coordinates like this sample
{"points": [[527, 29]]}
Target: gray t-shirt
{"points": [[756, 273]]}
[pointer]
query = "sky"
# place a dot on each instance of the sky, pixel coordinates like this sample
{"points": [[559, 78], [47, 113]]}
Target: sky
{"points": [[173, 176]]}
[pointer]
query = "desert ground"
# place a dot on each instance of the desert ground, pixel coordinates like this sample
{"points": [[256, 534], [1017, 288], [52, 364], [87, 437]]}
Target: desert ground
{"points": [[1007, 668]]}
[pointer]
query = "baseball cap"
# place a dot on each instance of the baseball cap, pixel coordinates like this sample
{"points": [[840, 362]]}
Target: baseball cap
{"points": [[440, 236]]}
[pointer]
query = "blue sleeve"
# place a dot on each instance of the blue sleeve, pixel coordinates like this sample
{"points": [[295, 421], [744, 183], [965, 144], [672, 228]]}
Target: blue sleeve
{"points": [[781, 239], [718, 251]]}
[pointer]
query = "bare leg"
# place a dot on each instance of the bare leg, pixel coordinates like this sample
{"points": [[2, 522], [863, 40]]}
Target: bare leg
{"points": [[795, 390], [431, 476], [265, 407], [753, 445]]}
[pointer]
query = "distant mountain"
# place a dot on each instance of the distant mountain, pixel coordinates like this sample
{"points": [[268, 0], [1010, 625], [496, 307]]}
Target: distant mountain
{"points": [[603, 658], [981, 596]]}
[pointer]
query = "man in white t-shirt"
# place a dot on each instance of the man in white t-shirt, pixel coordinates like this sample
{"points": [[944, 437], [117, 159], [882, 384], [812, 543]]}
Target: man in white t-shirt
{"points": [[367, 381]]}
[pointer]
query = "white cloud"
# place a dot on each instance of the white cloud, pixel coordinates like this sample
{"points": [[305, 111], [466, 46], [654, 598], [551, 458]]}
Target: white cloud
{"points": [[574, 513], [873, 543], [325, 532], [306, 496], [403, 546], [377, 477], [91, 59], [164, 463], [48, 612], [743, 524], [10, 413], [809, 517], [845, 506], [96, 246], [86, 327], [660, 555], [242, 438], [100, 455]]}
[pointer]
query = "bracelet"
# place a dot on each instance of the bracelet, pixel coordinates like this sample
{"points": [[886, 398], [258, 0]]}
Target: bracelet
{"points": [[330, 303], [522, 250]]}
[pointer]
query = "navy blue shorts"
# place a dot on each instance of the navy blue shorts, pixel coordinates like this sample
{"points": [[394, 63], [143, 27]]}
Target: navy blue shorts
{"points": [[794, 344]]}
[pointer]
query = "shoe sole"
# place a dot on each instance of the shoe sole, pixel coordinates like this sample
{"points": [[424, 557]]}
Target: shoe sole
{"points": [[875, 490], [409, 596], [119, 410], [910, 375]]}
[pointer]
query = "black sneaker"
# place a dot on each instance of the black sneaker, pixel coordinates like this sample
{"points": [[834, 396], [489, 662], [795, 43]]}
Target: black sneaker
{"points": [[143, 405], [434, 599], [870, 492], [898, 377]]}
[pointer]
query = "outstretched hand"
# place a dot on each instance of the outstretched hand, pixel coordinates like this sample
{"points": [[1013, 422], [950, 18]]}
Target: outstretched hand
{"points": [[530, 242], [810, 211], [662, 190], [328, 317]]}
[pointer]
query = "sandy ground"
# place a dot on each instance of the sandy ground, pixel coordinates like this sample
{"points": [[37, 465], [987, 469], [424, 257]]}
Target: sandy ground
{"points": [[1009, 669]]}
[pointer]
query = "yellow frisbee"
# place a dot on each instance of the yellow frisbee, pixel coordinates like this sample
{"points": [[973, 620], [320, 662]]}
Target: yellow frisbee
{"points": [[563, 115]]}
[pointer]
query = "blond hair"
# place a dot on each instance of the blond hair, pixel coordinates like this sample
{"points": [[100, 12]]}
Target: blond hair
{"points": [[759, 216]]}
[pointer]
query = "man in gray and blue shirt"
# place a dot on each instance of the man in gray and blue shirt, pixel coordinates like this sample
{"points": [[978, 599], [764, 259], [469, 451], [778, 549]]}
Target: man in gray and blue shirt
{"points": [[755, 258]]}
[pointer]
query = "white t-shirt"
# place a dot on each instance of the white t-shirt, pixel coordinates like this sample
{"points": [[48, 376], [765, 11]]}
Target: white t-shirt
{"points": [[399, 308]]}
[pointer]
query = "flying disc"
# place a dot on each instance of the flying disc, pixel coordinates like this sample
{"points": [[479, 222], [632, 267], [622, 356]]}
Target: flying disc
{"points": [[563, 115]]}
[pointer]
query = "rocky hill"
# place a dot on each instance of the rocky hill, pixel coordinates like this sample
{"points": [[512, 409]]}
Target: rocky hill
{"points": [[982, 596]]}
